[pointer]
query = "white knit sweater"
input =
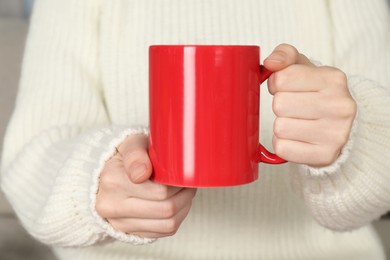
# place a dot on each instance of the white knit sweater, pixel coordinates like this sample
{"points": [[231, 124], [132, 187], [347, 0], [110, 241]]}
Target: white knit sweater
{"points": [[84, 88]]}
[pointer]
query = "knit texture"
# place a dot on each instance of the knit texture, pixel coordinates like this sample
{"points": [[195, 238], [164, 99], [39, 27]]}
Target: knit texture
{"points": [[84, 88]]}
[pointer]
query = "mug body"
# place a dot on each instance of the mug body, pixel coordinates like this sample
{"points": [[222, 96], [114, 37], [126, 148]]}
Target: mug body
{"points": [[204, 114]]}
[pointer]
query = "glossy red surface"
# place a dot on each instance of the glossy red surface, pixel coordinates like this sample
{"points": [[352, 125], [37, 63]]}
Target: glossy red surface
{"points": [[204, 115]]}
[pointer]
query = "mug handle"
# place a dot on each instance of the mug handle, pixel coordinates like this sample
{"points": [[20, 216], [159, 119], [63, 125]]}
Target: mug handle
{"points": [[263, 154]]}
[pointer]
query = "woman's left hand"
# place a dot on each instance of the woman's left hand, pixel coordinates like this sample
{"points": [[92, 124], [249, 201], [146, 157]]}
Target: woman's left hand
{"points": [[313, 106]]}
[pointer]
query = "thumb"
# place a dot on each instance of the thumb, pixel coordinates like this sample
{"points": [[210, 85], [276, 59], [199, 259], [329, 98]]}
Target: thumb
{"points": [[283, 56], [136, 159], [140, 171]]}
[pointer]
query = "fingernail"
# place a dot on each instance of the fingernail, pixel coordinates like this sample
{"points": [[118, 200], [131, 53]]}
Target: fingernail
{"points": [[278, 57], [137, 170]]}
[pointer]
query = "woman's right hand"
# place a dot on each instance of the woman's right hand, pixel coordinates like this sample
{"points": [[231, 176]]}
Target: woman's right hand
{"points": [[131, 202]]}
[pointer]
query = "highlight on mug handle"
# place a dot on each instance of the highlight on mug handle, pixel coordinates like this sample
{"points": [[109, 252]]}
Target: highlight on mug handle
{"points": [[263, 154]]}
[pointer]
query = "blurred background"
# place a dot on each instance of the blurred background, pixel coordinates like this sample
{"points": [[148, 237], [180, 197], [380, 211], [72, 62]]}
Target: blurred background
{"points": [[15, 243]]}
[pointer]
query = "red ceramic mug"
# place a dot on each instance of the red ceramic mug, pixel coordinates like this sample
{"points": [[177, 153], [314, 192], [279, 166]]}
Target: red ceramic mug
{"points": [[204, 115]]}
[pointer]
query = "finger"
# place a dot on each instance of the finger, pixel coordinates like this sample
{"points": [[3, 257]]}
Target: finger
{"points": [[308, 131], [295, 129], [136, 159], [301, 78], [305, 153], [148, 209], [159, 227], [115, 204], [150, 190], [300, 106], [297, 78], [283, 56]]}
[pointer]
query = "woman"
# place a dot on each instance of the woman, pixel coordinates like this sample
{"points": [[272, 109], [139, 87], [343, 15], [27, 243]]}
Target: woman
{"points": [[75, 166]]}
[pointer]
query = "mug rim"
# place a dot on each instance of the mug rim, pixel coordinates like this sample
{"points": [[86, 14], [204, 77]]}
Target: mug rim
{"points": [[203, 46]]}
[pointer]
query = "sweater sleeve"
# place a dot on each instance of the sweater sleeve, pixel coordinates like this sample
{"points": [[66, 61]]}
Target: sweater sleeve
{"points": [[60, 134], [355, 190]]}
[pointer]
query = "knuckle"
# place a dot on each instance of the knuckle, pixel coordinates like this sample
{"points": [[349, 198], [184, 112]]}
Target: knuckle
{"points": [[103, 208], [338, 77], [329, 156], [340, 140], [293, 53], [344, 108], [350, 108], [278, 80], [171, 226], [279, 127], [277, 104], [105, 177], [344, 139], [278, 146], [161, 192], [289, 49], [108, 181], [168, 210]]}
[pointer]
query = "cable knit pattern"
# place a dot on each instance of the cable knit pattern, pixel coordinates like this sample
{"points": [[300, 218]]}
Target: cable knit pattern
{"points": [[84, 88]]}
